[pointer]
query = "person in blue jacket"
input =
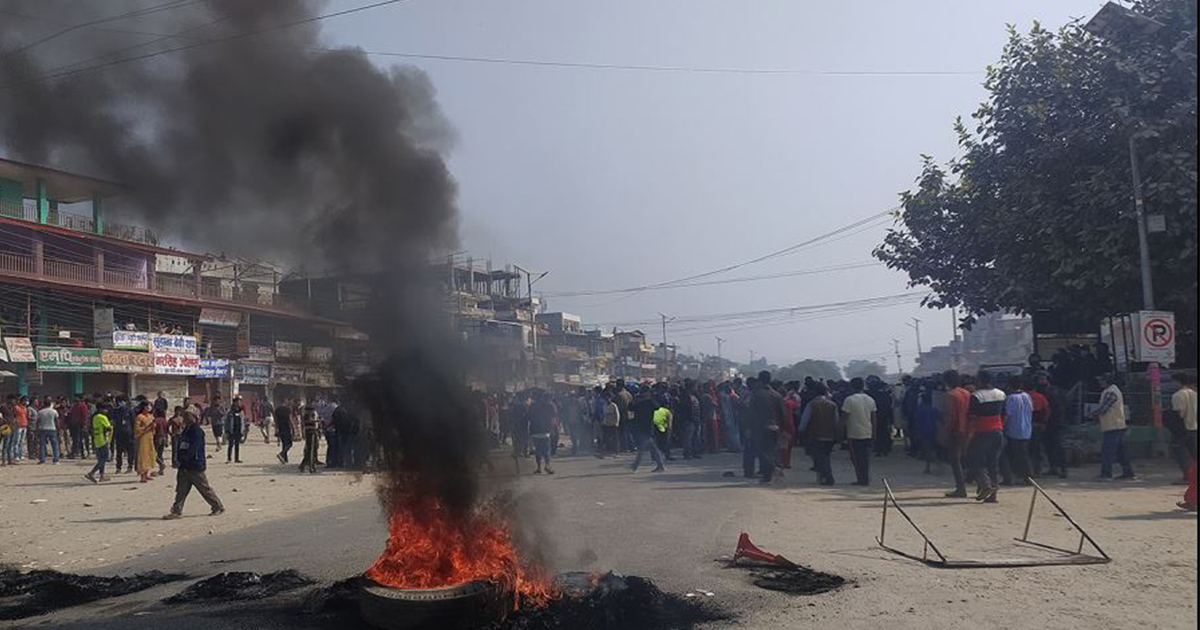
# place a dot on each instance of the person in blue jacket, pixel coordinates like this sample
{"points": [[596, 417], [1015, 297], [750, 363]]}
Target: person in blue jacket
{"points": [[193, 462]]}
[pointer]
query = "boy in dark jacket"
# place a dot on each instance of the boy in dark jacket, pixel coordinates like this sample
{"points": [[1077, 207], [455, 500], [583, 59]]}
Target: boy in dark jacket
{"points": [[193, 462]]}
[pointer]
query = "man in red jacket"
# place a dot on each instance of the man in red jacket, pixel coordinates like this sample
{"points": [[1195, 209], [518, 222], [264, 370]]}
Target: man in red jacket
{"points": [[77, 420]]}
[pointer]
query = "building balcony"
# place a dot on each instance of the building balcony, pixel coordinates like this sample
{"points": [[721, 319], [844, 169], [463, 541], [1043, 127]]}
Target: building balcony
{"points": [[116, 278]]}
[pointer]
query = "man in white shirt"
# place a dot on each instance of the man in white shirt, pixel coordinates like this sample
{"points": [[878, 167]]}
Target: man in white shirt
{"points": [[1183, 403], [1114, 426], [47, 431], [860, 414]]}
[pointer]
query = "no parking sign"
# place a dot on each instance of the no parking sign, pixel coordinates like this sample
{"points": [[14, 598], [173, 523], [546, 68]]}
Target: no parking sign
{"points": [[1155, 341]]}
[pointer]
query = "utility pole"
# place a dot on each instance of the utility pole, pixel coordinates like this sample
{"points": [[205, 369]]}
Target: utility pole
{"points": [[1139, 203], [1113, 23], [529, 282], [665, 320], [899, 362], [916, 325], [751, 358], [720, 342]]}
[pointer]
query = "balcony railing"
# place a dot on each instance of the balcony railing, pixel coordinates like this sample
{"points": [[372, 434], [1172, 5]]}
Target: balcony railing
{"points": [[116, 277], [69, 271]]}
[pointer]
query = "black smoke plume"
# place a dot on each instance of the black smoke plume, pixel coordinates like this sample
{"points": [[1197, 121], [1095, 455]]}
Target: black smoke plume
{"points": [[256, 138]]}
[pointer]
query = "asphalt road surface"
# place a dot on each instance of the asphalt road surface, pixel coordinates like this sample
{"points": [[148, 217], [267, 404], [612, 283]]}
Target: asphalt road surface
{"points": [[673, 528]]}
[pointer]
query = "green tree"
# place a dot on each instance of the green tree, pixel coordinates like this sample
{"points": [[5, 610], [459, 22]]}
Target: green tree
{"points": [[1036, 212], [810, 367], [859, 368]]}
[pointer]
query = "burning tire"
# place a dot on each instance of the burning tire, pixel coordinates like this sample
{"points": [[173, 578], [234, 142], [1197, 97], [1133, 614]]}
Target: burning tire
{"points": [[470, 605]]}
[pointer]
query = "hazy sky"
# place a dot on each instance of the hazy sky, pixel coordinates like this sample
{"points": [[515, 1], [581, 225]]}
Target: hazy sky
{"points": [[617, 178]]}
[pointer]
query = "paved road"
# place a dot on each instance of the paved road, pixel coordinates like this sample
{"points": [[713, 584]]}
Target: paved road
{"points": [[672, 528]]}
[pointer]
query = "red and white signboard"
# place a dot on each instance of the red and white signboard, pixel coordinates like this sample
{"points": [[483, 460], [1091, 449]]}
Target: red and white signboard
{"points": [[176, 364], [1155, 337]]}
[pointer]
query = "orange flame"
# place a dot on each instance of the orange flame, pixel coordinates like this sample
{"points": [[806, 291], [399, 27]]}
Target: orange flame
{"points": [[431, 548]]}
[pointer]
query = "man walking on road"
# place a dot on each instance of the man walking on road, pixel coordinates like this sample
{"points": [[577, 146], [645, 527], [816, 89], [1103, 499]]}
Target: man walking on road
{"points": [[987, 437], [193, 462], [1113, 425], [101, 430], [47, 431], [1183, 404], [767, 411], [1018, 431], [644, 408], [958, 409], [820, 423], [860, 414], [283, 431]]}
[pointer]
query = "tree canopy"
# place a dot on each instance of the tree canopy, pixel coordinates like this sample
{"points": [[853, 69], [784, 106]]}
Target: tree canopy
{"points": [[1036, 212], [859, 368], [817, 369]]}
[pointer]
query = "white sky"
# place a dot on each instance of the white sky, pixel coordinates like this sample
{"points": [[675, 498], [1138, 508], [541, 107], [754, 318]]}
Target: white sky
{"points": [[617, 178]]}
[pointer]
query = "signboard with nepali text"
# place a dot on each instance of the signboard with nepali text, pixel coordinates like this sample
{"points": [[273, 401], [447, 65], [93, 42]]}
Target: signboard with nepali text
{"points": [[262, 353], [20, 350], [130, 340], [174, 344], [288, 375], [219, 317], [213, 368], [68, 359], [125, 362], [253, 373], [289, 350], [176, 364], [319, 377], [319, 354]]}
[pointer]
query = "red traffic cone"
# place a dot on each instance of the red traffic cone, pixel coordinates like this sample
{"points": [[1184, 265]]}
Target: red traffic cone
{"points": [[747, 549]]}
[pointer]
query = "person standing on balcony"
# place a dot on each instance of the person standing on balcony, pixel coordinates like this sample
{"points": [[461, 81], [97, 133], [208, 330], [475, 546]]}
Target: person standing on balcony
{"points": [[47, 428]]}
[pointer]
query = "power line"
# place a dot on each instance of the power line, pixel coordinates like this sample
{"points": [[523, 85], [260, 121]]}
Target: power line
{"points": [[767, 313], [492, 60], [166, 6], [669, 68], [788, 274], [235, 36]]}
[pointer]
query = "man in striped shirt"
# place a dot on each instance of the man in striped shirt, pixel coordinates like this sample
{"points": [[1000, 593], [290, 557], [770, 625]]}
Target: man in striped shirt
{"points": [[987, 437]]}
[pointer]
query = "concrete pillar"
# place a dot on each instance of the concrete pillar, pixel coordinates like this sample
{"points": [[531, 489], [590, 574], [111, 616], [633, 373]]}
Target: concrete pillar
{"points": [[39, 255], [198, 272], [99, 266], [22, 384], [43, 202], [97, 214]]}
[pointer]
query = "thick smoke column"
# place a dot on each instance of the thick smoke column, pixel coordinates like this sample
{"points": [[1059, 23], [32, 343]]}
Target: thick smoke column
{"points": [[265, 143]]}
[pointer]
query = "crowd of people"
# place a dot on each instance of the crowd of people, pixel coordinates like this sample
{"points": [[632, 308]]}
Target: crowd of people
{"points": [[143, 436], [990, 429]]}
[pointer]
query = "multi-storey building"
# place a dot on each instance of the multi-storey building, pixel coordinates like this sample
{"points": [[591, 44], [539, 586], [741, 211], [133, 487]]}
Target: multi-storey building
{"points": [[88, 305]]}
